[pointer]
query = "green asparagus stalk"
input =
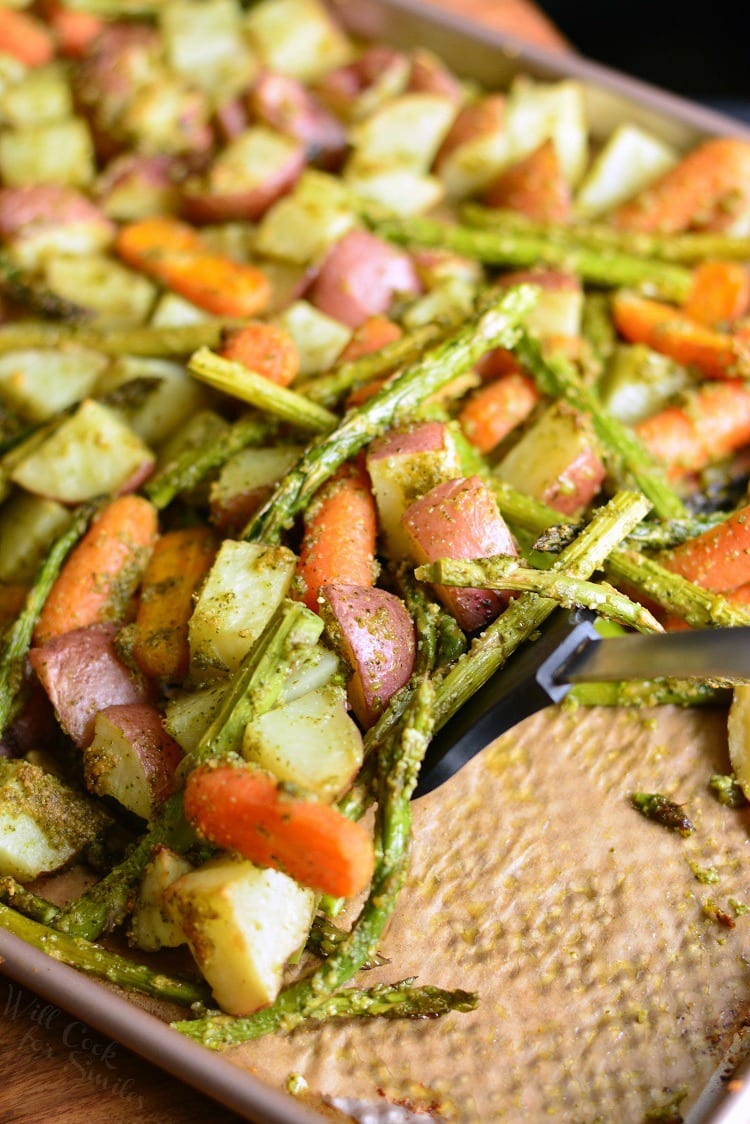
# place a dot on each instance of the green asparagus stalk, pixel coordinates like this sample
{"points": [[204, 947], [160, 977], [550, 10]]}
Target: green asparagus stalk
{"points": [[698, 607], [329, 389], [557, 377], [609, 526], [18, 640], [325, 937], [98, 961], [640, 693], [609, 268], [393, 1001], [23, 901], [175, 340], [239, 381], [398, 768], [105, 904], [193, 465], [663, 535], [506, 572], [686, 249], [256, 687], [25, 289], [495, 327]]}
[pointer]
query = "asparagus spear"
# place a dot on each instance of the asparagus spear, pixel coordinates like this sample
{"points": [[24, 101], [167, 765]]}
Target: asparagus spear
{"points": [[99, 961], [679, 248], [609, 268], [660, 692], [18, 639], [23, 288], [393, 1001], [397, 774], [559, 379], [699, 607], [506, 572], [329, 389], [22, 900], [239, 381], [175, 340], [495, 327], [609, 526], [325, 938], [194, 464]]}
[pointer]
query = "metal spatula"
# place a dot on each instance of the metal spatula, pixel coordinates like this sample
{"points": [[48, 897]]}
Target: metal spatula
{"points": [[570, 650]]}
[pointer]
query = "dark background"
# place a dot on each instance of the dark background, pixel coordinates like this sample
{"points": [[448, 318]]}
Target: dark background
{"points": [[700, 49]]}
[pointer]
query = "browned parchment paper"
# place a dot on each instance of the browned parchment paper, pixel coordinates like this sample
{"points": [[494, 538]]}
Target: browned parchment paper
{"points": [[606, 990]]}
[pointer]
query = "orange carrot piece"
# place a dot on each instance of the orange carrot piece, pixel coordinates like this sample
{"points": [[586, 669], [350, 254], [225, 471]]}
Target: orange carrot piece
{"points": [[178, 564], [242, 809], [708, 190], [739, 596], [719, 559], [713, 422], [495, 409], [362, 393], [12, 598], [25, 38], [74, 30], [370, 336], [102, 573], [720, 293], [339, 540], [535, 186], [173, 253], [670, 331], [264, 348]]}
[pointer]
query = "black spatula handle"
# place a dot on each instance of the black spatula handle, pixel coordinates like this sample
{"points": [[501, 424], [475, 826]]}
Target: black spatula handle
{"points": [[524, 685]]}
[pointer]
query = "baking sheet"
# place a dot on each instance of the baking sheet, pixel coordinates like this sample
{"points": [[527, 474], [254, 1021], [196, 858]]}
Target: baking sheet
{"points": [[515, 887]]}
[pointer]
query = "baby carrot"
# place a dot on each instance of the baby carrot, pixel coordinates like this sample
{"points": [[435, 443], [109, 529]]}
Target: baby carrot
{"points": [[242, 809], [495, 409], [370, 336], [173, 253], [75, 30], [719, 559], [535, 186], [720, 293], [263, 348], [25, 38], [362, 393], [709, 189], [12, 598], [713, 422], [103, 572], [339, 540], [179, 562], [670, 331]]}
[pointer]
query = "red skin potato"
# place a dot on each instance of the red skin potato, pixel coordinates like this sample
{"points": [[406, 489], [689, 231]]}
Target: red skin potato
{"points": [[429, 76], [25, 211], [154, 175], [286, 105], [429, 436], [82, 674], [379, 640], [534, 186], [576, 487], [479, 119], [202, 204], [359, 278], [158, 753], [459, 519], [341, 87]]}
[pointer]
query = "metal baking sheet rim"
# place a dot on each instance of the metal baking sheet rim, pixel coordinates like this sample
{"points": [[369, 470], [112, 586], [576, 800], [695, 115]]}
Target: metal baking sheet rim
{"points": [[492, 58]]}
